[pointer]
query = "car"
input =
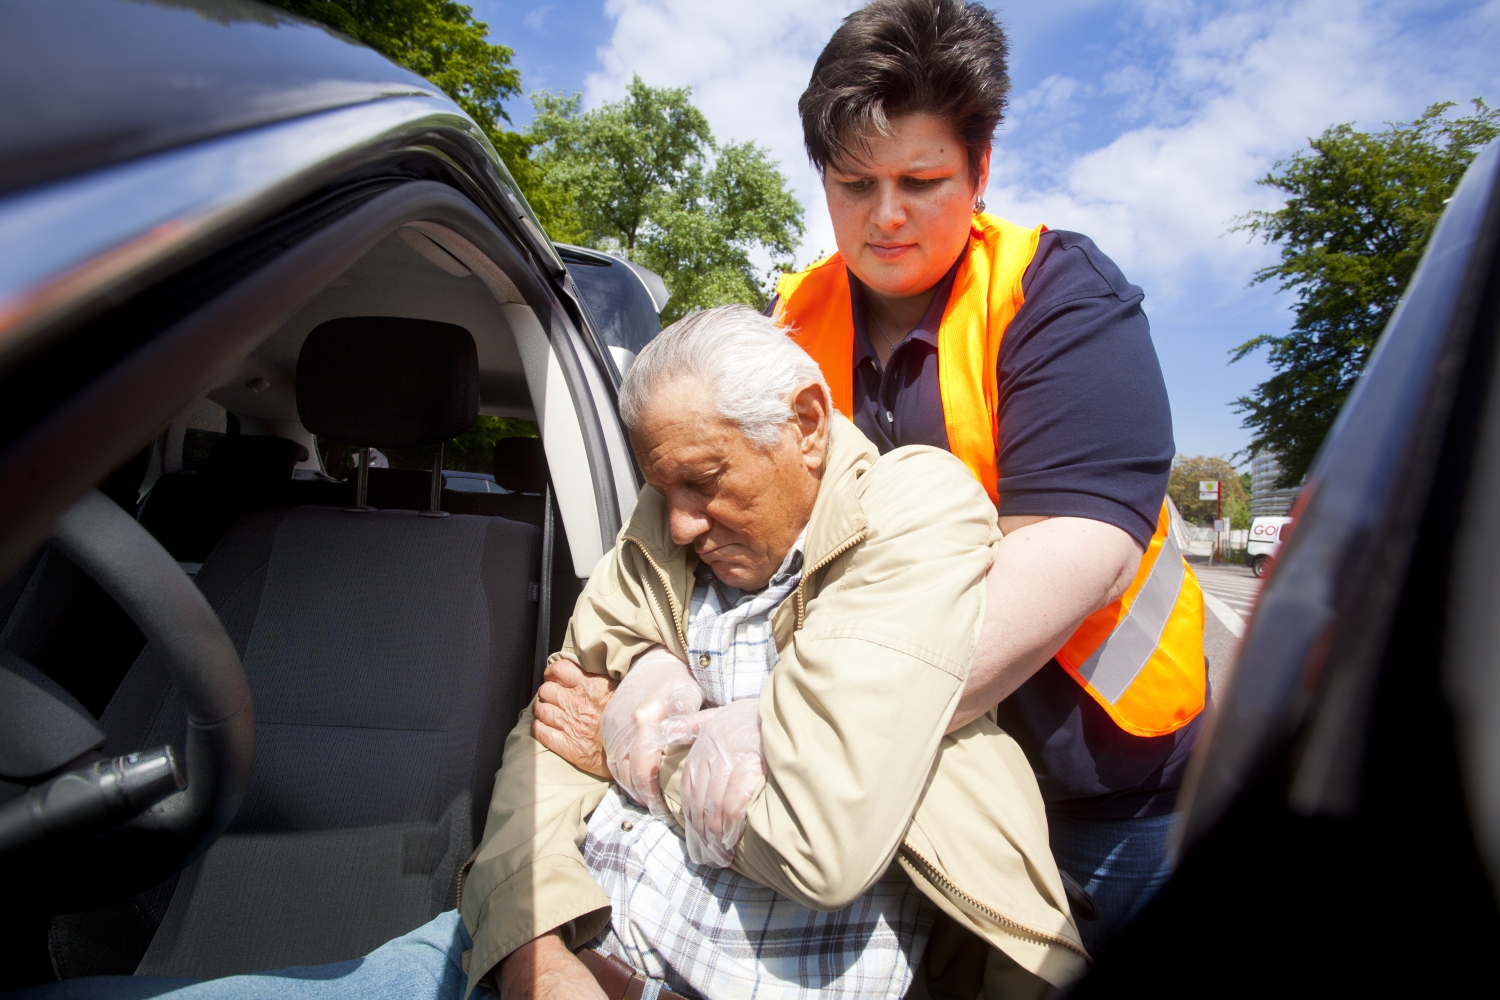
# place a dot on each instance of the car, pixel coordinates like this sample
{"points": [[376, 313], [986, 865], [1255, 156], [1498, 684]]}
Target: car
{"points": [[240, 678], [251, 703], [1266, 536]]}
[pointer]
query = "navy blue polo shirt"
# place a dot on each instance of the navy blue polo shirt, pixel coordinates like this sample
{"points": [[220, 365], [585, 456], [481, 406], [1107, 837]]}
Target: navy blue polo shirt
{"points": [[1085, 431]]}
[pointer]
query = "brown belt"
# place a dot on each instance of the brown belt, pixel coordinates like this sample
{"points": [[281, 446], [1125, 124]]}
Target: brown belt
{"points": [[618, 980]]}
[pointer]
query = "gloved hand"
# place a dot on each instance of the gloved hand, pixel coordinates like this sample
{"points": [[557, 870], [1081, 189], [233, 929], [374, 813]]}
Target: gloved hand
{"points": [[658, 687], [721, 774]]}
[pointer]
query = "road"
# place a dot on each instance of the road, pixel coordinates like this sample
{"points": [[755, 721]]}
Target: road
{"points": [[1229, 594]]}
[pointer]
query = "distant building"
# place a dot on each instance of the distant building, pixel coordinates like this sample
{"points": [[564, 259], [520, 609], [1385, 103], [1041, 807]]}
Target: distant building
{"points": [[1265, 501]]}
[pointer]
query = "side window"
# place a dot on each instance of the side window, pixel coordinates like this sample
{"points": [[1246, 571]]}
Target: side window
{"points": [[617, 300], [191, 436]]}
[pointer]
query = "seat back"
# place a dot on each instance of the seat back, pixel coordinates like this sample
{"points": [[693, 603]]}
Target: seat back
{"points": [[388, 655]]}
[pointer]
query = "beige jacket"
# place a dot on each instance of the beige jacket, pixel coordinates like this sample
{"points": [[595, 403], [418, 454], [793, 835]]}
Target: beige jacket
{"points": [[875, 647]]}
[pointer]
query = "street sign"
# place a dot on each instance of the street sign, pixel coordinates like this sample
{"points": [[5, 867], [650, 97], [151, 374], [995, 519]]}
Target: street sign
{"points": [[1208, 489], [1221, 525]]}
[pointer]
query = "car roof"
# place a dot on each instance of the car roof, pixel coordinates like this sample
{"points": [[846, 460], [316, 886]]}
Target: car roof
{"points": [[95, 82]]}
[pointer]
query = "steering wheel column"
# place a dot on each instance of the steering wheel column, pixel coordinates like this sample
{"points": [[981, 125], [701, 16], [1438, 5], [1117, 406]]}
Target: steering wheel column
{"points": [[126, 824]]}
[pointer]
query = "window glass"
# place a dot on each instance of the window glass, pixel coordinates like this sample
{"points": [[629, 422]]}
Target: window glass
{"points": [[192, 433], [617, 301]]}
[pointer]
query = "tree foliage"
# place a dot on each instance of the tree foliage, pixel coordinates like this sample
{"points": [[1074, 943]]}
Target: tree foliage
{"points": [[1360, 208], [646, 179], [1182, 487]]}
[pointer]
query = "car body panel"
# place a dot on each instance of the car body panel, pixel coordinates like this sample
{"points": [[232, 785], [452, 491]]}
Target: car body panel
{"points": [[89, 83]]}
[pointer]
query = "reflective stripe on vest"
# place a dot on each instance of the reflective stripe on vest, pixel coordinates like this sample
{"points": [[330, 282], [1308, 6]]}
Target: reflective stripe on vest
{"points": [[1140, 658]]}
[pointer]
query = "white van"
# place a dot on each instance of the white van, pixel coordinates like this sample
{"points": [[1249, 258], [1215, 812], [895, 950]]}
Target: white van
{"points": [[1265, 542]]}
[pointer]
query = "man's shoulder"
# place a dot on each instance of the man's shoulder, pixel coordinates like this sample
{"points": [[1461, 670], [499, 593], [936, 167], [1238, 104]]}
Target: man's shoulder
{"points": [[918, 485]]}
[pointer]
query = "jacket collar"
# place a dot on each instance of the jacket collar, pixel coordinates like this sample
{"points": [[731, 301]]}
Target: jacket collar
{"points": [[836, 514]]}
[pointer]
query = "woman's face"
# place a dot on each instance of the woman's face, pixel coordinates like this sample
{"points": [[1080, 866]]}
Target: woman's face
{"points": [[901, 218]]}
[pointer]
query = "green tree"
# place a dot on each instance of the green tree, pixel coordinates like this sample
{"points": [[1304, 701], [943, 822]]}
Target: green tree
{"points": [[644, 177], [1360, 208], [1182, 487]]}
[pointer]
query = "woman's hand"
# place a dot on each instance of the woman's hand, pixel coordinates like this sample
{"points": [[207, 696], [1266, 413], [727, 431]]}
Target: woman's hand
{"points": [[721, 774], [658, 687], [568, 708]]}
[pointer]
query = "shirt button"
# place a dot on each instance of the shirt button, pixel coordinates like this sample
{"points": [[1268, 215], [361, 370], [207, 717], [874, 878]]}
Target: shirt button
{"points": [[627, 826], [703, 659], [890, 417]]}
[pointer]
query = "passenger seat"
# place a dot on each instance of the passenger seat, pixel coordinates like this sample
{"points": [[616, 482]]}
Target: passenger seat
{"points": [[388, 654]]}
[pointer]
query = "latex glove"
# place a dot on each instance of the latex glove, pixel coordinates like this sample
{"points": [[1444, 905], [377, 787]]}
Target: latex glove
{"points": [[658, 686], [721, 774]]}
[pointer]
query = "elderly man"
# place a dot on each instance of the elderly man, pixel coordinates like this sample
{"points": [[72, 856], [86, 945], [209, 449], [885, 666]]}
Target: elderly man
{"points": [[825, 602]]}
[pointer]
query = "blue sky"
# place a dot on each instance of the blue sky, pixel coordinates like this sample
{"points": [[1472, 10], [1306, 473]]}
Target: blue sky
{"points": [[1143, 124]]}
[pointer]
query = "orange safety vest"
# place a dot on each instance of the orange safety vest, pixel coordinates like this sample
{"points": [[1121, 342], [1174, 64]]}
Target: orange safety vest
{"points": [[1140, 658]]}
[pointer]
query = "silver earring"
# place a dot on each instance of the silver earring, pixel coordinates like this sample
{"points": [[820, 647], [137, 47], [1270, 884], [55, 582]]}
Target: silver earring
{"points": [[979, 206]]}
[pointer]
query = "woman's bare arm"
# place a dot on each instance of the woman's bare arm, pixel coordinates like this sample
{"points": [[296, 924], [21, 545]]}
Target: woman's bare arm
{"points": [[1049, 574]]}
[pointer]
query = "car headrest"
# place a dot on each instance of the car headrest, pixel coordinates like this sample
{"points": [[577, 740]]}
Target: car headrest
{"points": [[388, 382], [520, 464], [252, 457]]}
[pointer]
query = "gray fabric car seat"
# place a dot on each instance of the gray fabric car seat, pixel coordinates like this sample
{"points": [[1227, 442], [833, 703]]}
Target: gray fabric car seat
{"points": [[388, 655]]}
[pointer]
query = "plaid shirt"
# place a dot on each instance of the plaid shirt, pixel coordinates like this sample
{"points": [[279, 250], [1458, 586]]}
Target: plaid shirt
{"points": [[710, 932]]}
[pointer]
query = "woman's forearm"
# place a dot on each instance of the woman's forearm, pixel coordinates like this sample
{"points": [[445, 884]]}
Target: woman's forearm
{"points": [[1049, 575]]}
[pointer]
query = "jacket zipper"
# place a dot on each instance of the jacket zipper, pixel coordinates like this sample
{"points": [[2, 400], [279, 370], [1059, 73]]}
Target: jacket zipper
{"points": [[463, 873], [931, 873], [676, 614], [847, 544], [930, 870]]}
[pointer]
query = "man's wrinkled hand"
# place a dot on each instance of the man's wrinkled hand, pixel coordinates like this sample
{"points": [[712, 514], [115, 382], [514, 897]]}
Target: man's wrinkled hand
{"points": [[721, 775], [657, 688], [544, 969], [568, 709]]}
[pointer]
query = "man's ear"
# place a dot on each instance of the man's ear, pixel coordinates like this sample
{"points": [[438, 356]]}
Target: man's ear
{"points": [[810, 403]]}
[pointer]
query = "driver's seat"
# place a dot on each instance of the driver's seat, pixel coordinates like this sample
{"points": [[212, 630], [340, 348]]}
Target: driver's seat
{"points": [[388, 655]]}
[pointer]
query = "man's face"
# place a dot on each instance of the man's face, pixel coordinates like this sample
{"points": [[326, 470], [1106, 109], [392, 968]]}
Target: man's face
{"points": [[740, 506], [901, 219]]}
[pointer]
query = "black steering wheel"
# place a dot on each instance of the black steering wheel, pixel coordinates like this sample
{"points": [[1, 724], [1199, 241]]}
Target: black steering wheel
{"points": [[112, 828]]}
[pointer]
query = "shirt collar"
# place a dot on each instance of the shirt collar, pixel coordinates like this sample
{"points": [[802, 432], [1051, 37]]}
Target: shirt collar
{"points": [[925, 331], [729, 597]]}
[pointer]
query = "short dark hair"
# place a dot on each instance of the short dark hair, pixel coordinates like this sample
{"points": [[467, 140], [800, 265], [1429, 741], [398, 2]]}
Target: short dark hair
{"points": [[944, 58]]}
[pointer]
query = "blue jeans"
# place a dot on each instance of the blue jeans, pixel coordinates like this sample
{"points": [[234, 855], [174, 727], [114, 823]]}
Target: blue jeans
{"points": [[1121, 862], [423, 965]]}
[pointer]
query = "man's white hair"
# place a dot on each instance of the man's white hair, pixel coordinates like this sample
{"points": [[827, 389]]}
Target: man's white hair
{"points": [[748, 362]]}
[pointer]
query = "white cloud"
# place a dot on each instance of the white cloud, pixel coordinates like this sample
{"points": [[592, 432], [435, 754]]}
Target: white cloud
{"points": [[536, 18]]}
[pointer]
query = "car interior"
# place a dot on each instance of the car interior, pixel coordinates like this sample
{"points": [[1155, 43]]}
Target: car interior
{"points": [[391, 627]]}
